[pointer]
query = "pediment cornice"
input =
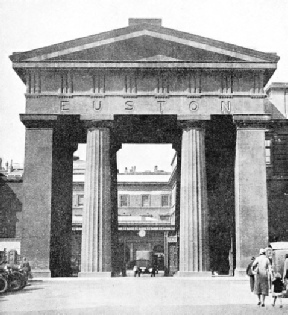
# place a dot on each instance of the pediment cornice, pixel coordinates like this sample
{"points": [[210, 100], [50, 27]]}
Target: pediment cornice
{"points": [[139, 31]]}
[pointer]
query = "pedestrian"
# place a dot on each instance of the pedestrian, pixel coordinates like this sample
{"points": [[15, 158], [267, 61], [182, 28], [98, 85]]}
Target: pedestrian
{"points": [[26, 269], [123, 269], [285, 268], [269, 255], [250, 273], [277, 289], [135, 270], [153, 272], [261, 267]]}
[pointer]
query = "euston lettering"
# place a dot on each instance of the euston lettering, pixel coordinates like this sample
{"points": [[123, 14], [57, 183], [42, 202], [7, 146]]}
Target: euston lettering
{"points": [[129, 105], [97, 105], [193, 106]]}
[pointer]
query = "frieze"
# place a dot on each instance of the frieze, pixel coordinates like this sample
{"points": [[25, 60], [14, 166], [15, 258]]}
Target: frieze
{"points": [[130, 105], [96, 107]]}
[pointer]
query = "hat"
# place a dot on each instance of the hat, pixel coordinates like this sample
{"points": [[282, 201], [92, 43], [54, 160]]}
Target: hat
{"points": [[261, 251], [277, 275]]}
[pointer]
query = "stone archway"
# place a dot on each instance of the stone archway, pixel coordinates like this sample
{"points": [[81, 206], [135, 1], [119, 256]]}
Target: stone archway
{"points": [[176, 79]]}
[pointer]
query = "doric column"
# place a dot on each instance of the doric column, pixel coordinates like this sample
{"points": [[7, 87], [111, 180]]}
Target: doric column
{"points": [[96, 226], [194, 240], [251, 218]]}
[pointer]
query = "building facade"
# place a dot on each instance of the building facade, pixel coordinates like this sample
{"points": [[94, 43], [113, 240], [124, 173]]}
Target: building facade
{"points": [[146, 216], [145, 84]]}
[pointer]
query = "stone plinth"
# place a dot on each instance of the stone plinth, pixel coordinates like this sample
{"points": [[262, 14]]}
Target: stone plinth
{"points": [[250, 196], [96, 228], [194, 250]]}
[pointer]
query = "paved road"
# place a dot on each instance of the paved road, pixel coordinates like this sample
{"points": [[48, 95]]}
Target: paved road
{"points": [[144, 295]]}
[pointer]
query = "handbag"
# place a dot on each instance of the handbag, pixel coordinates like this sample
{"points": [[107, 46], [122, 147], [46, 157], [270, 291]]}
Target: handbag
{"points": [[285, 287], [255, 269]]}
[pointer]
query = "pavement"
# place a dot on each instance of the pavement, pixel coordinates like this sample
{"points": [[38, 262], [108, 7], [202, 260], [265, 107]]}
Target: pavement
{"points": [[139, 295]]}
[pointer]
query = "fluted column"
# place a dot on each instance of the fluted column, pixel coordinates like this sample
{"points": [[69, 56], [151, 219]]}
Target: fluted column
{"points": [[194, 240], [96, 227]]}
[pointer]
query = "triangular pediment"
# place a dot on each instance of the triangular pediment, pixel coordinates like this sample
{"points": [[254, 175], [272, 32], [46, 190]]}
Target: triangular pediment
{"points": [[144, 42]]}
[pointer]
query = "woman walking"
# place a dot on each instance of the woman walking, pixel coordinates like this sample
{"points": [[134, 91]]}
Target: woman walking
{"points": [[261, 267]]}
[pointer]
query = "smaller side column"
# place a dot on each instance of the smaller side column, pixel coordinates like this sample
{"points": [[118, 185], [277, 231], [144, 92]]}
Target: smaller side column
{"points": [[194, 240], [251, 218], [96, 227]]}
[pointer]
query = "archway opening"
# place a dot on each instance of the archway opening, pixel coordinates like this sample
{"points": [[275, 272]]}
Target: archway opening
{"points": [[146, 184]]}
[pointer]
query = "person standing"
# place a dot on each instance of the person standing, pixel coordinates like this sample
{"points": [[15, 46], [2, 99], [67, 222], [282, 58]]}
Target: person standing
{"points": [[262, 265], [250, 273], [277, 289], [285, 268], [135, 269], [269, 255], [26, 268]]}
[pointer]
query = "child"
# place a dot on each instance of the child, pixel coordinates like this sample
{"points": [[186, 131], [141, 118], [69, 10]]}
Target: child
{"points": [[277, 289]]}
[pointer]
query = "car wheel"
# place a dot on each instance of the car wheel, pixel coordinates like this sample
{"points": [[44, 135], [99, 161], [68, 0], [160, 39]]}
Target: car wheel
{"points": [[16, 282], [3, 285]]}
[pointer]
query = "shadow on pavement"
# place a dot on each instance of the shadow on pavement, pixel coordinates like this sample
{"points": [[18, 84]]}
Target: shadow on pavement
{"points": [[166, 309], [26, 290]]}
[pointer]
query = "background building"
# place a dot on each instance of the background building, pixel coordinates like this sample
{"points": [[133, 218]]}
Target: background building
{"points": [[146, 214]]}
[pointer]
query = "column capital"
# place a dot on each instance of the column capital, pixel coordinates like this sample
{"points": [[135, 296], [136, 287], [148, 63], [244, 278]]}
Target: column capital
{"points": [[98, 124], [196, 124], [255, 121]]}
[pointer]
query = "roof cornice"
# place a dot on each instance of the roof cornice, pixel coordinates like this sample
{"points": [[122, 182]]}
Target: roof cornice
{"points": [[144, 29]]}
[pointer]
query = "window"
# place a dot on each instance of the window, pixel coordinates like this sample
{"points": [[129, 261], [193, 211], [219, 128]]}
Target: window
{"points": [[145, 201], [165, 217], [3, 232], [164, 200], [268, 151], [80, 200], [124, 200]]}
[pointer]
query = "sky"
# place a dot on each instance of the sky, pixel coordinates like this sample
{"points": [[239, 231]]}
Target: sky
{"points": [[28, 24]]}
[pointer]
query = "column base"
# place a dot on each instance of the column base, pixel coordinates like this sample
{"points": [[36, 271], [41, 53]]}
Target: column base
{"points": [[241, 273], [95, 274], [193, 274], [41, 273]]}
